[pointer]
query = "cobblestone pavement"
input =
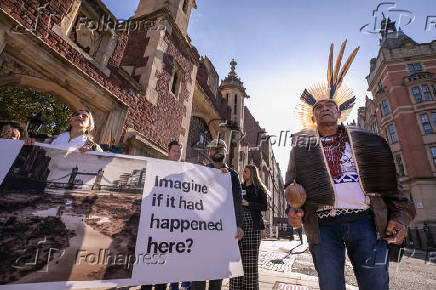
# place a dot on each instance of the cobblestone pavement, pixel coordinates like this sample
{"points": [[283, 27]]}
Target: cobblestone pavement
{"points": [[412, 273], [274, 261]]}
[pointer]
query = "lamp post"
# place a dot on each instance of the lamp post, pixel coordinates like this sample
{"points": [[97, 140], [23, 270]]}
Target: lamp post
{"points": [[200, 145]]}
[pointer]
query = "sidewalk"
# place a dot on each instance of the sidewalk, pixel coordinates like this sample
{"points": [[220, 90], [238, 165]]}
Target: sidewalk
{"points": [[297, 271], [414, 272], [272, 272]]}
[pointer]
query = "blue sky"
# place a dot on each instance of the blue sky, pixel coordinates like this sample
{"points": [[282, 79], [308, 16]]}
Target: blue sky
{"points": [[282, 46]]}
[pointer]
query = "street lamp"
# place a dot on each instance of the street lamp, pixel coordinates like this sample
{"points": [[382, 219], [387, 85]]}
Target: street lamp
{"points": [[200, 145]]}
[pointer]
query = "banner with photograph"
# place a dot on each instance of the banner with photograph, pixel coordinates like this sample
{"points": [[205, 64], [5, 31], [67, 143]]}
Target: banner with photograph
{"points": [[81, 220]]}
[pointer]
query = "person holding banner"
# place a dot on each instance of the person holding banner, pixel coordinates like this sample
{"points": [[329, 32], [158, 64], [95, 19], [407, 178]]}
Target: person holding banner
{"points": [[254, 202], [217, 151], [174, 154], [174, 151], [77, 135]]}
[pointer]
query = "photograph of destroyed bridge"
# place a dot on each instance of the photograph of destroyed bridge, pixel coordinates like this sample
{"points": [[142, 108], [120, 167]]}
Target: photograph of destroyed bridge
{"points": [[71, 202]]}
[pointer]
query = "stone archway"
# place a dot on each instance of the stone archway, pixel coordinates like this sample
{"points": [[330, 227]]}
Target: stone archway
{"points": [[68, 86], [63, 95], [44, 114]]}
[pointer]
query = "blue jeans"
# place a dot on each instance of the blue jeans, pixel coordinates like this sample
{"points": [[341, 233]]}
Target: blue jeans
{"points": [[367, 254], [175, 285]]}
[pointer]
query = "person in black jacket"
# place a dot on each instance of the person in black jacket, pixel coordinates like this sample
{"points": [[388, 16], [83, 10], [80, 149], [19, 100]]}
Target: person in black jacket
{"points": [[254, 202], [217, 150]]}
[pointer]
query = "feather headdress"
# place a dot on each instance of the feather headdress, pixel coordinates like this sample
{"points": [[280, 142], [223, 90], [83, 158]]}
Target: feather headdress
{"points": [[333, 90]]}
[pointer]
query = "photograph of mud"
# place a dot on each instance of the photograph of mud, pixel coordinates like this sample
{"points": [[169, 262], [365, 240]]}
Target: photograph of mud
{"points": [[69, 216]]}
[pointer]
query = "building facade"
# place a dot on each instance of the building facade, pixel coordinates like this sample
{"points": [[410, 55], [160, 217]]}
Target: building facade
{"points": [[403, 110], [219, 110], [130, 74], [142, 79]]}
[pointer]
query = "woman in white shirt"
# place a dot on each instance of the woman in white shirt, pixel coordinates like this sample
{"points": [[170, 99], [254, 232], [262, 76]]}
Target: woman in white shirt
{"points": [[77, 135]]}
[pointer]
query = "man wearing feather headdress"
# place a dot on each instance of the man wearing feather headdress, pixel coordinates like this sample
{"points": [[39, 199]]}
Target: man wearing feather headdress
{"points": [[341, 184]]}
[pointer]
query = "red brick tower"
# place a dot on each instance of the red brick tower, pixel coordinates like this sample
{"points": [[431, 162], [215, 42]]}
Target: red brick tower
{"points": [[402, 82]]}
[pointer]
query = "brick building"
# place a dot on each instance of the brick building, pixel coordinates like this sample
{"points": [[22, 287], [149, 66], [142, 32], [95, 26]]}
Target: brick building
{"points": [[221, 109], [142, 79], [130, 75], [403, 110]]}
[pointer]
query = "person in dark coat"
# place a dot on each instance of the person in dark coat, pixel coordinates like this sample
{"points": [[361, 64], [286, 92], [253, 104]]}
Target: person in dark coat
{"points": [[217, 150], [254, 202]]}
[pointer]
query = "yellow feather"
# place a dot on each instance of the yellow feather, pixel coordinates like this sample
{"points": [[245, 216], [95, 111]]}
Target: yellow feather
{"points": [[338, 61], [330, 66], [346, 66]]}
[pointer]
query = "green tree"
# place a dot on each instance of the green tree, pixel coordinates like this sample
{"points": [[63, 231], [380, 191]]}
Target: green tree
{"points": [[20, 104]]}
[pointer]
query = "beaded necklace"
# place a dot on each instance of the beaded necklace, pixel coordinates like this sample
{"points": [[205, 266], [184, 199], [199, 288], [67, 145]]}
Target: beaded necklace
{"points": [[334, 147]]}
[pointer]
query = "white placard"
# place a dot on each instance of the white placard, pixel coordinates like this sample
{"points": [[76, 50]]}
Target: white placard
{"points": [[81, 220]]}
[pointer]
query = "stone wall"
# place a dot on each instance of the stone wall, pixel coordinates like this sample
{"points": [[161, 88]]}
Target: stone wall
{"points": [[151, 111]]}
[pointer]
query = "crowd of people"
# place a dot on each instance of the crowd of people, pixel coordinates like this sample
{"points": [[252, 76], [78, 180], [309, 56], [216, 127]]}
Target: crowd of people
{"points": [[249, 198], [344, 189]]}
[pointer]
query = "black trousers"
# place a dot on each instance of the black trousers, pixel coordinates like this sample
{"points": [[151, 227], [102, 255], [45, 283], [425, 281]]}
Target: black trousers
{"points": [[156, 287], [249, 249], [201, 285]]}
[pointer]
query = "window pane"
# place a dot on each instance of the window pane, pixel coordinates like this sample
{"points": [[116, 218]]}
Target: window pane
{"points": [[426, 92], [433, 152], [426, 124], [392, 132], [398, 157], [417, 94], [433, 117], [400, 165], [424, 118], [235, 105], [380, 84], [428, 129], [385, 107], [418, 67], [411, 68]]}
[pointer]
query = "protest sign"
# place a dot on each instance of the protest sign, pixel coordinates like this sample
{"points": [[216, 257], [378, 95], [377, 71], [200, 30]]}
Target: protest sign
{"points": [[80, 220]]}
